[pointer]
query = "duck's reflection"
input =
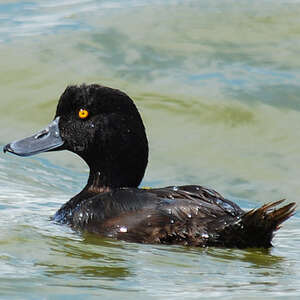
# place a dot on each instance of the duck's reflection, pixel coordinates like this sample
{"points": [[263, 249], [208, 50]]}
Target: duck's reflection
{"points": [[91, 257]]}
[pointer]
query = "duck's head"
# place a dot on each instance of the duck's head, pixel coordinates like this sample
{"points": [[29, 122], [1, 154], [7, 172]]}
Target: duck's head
{"points": [[103, 126]]}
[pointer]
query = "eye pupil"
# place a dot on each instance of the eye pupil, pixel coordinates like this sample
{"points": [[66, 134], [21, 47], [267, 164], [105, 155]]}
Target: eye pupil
{"points": [[83, 113]]}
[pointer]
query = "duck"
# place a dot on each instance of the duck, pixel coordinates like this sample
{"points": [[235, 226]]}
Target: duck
{"points": [[103, 126]]}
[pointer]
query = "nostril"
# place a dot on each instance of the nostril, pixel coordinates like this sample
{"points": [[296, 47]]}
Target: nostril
{"points": [[42, 134]]}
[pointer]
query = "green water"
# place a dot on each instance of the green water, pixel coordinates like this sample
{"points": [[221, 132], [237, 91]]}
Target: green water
{"points": [[217, 84]]}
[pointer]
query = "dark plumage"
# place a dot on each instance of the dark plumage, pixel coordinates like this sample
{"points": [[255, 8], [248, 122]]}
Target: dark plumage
{"points": [[103, 126]]}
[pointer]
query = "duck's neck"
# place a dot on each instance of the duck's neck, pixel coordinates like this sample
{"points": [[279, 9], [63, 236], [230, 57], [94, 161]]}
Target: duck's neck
{"points": [[114, 174], [118, 161], [97, 183], [101, 180]]}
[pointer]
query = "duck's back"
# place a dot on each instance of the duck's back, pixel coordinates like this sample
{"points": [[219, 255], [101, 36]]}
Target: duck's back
{"points": [[186, 215]]}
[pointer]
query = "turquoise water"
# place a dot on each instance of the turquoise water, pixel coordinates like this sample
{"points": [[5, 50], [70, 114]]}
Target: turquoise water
{"points": [[217, 84]]}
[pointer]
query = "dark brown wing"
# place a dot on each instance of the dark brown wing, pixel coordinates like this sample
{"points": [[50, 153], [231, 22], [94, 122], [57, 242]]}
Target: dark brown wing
{"points": [[172, 215]]}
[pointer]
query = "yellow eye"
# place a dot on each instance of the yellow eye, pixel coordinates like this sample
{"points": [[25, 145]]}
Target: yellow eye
{"points": [[83, 113]]}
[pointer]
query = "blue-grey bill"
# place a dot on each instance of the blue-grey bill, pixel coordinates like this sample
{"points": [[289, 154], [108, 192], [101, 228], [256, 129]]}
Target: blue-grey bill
{"points": [[45, 140]]}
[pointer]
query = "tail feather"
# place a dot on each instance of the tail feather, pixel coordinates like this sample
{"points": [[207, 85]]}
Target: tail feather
{"points": [[256, 227], [268, 216]]}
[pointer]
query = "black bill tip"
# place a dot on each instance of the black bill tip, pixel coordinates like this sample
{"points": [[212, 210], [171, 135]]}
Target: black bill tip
{"points": [[7, 148]]}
